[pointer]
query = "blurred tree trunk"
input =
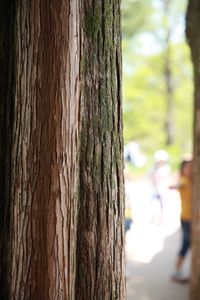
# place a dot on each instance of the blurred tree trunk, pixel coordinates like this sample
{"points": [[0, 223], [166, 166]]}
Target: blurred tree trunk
{"points": [[62, 184], [193, 35], [169, 90], [168, 76]]}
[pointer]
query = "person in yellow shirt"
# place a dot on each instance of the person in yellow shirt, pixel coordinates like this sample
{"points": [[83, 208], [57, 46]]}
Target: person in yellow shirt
{"points": [[184, 187], [128, 216]]}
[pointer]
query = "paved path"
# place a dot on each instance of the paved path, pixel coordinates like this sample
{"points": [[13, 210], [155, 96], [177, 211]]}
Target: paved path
{"points": [[151, 250]]}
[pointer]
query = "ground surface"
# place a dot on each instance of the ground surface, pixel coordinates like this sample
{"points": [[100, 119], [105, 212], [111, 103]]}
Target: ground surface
{"points": [[151, 246]]}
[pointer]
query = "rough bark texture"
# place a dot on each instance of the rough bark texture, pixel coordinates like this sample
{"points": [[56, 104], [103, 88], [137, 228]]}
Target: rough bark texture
{"points": [[100, 255], [193, 35], [44, 150], [62, 183]]}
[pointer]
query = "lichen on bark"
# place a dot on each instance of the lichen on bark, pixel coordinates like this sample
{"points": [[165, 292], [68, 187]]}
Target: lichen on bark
{"points": [[100, 220]]}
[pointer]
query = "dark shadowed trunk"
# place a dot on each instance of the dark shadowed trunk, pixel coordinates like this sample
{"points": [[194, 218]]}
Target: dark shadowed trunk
{"points": [[193, 35], [7, 79], [61, 150]]}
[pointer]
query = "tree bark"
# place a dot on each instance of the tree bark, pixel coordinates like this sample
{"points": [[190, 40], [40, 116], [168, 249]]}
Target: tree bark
{"points": [[44, 150], [100, 227], [62, 180], [193, 35]]}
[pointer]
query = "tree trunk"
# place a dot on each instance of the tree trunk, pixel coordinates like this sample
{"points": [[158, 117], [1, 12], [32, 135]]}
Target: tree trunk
{"points": [[100, 227], [63, 193], [44, 150], [193, 35], [168, 76], [7, 16]]}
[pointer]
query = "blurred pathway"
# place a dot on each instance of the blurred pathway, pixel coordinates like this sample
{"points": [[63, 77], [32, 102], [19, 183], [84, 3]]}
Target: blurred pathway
{"points": [[151, 248]]}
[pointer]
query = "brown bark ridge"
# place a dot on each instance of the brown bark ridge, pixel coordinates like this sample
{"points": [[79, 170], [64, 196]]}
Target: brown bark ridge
{"points": [[193, 36], [100, 243], [44, 150], [62, 182]]}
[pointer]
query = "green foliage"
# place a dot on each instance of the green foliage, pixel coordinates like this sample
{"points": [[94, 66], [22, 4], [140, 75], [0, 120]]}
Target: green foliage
{"points": [[135, 17], [144, 101], [144, 91]]}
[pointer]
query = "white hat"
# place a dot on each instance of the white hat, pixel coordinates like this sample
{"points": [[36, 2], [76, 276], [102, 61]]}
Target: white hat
{"points": [[161, 155]]}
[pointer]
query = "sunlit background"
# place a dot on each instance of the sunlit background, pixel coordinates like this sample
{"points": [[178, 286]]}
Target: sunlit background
{"points": [[157, 76], [158, 112]]}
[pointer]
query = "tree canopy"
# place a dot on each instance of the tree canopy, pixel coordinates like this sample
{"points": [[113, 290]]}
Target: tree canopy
{"points": [[153, 31]]}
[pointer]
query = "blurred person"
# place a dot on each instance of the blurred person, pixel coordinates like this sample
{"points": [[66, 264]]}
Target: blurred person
{"points": [[159, 177], [184, 187], [128, 217], [128, 212], [133, 154]]}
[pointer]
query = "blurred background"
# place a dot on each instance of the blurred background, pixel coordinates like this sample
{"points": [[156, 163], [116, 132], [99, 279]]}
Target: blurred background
{"points": [[158, 121], [157, 77]]}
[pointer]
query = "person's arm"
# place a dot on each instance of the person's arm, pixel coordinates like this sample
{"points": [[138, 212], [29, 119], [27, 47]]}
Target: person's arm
{"points": [[177, 186]]}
